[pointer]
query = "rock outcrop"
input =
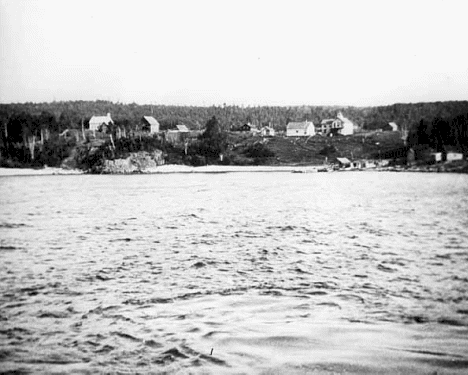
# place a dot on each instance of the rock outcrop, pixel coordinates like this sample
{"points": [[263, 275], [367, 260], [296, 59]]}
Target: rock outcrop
{"points": [[138, 162]]}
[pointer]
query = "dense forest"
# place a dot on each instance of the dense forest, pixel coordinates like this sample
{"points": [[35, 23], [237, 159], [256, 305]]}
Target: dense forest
{"points": [[63, 115], [438, 124]]}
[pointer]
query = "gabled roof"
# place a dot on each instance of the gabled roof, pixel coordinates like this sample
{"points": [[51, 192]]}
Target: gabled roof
{"points": [[327, 120], [299, 125], [151, 120], [343, 160], [182, 128], [101, 119]]}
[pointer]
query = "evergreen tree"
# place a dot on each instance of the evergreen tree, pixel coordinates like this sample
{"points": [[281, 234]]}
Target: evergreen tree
{"points": [[213, 139]]}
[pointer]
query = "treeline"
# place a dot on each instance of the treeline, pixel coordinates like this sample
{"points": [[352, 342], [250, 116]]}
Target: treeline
{"points": [[65, 115], [441, 132]]}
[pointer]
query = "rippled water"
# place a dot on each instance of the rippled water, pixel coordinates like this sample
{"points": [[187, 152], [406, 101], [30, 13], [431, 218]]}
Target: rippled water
{"points": [[266, 273]]}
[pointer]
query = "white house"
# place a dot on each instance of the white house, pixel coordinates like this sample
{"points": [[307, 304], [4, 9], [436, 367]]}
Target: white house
{"points": [[267, 131], [346, 126], [300, 129], [149, 123], [339, 125], [96, 122], [451, 156]]}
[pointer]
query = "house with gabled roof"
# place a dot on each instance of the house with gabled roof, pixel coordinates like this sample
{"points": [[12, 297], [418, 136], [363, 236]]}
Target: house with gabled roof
{"points": [[300, 129], [149, 124], [339, 125], [99, 122]]}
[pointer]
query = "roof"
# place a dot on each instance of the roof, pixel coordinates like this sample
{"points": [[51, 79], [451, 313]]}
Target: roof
{"points": [[327, 120], [151, 120], [343, 160], [101, 119], [299, 125], [182, 128]]}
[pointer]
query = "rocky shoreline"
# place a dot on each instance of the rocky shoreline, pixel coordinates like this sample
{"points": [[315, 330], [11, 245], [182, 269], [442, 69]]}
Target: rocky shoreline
{"points": [[153, 163], [122, 166]]}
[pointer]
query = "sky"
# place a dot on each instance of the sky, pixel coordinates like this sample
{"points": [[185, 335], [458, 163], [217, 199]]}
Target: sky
{"points": [[211, 52]]}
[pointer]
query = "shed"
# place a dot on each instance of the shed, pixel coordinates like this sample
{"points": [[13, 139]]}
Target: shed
{"points": [[150, 124], [300, 129], [343, 162]]}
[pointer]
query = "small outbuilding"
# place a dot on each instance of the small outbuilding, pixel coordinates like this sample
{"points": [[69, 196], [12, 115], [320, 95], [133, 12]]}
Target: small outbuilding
{"points": [[343, 162], [300, 129], [149, 124]]}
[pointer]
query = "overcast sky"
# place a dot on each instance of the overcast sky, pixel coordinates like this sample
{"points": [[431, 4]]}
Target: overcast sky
{"points": [[235, 52]]}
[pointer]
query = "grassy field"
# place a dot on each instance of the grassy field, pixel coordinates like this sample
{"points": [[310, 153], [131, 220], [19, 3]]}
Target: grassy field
{"points": [[317, 150]]}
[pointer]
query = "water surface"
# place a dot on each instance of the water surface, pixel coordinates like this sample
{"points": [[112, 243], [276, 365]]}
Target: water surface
{"points": [[259, 273]]}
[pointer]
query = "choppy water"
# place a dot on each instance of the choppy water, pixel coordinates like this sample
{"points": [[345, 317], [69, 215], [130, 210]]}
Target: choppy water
{"points": [[266, 273]]}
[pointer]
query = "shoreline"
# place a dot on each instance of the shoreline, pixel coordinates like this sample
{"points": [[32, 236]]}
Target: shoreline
{"points": [[176, 168], [163, 169]]}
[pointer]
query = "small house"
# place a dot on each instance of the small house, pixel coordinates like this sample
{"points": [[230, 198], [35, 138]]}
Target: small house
{"points": [[452, 156], [100, 122], [300, 129], [248, 128], [149, 124], [179, 135], [267, 131]]}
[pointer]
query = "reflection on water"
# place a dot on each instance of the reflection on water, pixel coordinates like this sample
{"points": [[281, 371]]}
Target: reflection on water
{"points": [[235, 273]]}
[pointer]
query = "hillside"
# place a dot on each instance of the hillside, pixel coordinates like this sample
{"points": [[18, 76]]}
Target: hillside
{"points": [[316, 150], [32, 133]]}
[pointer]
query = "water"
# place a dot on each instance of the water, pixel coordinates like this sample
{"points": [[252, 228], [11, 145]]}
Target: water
{"points": [[262, 273]]}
